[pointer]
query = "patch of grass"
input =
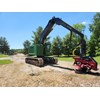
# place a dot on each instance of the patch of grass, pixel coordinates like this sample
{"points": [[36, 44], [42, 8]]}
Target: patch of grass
{"points": [[65, 58], [70, 59], [2, 55], [2, 62], [97, 59]]}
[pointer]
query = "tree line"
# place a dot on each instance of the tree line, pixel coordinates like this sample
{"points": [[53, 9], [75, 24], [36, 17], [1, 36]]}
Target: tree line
{"points": [[58, 45], [4, 46], [65, 46], [62, 45]]}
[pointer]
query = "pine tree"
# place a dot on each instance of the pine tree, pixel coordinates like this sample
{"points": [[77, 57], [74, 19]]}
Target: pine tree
{"points": [[56, 47], [4, 46]]}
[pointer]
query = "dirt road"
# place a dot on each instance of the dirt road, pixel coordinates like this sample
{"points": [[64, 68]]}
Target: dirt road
{"points": [[20, 74]]}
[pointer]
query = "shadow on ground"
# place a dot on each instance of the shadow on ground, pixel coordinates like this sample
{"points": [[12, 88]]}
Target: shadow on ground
{"points": [[71, 69], [94, 73]]}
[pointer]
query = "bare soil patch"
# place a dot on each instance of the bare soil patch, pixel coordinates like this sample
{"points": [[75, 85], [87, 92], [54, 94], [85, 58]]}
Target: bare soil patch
{"points": [[20, 74]]}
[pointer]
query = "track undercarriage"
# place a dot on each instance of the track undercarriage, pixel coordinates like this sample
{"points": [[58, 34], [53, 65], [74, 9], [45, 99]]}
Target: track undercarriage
{"points": [[41, 61]]}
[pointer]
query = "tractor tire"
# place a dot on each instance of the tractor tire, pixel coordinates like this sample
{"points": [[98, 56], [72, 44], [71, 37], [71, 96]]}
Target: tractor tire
{"points": [[84, 70], [81, 71], [78, 71]]}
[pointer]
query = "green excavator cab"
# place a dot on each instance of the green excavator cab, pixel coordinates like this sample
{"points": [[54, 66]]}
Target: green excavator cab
{"points": [[39, 50], [36, 50]]}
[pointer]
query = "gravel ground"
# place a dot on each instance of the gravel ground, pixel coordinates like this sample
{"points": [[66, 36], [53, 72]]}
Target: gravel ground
{"points": [[20, 74]]}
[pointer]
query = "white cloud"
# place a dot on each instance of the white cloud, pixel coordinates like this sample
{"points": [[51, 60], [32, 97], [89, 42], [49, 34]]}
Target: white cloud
{"points": [[84, 22]]}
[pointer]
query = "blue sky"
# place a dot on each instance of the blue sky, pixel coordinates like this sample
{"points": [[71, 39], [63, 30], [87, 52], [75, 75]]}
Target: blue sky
{"points": [[18, 26]]}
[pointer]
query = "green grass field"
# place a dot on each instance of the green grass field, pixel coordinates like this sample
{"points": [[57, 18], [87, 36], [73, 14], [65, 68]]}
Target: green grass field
{"points": [[97, 59], [64, 58], [70, 59], [2, 62], [2, 55]]}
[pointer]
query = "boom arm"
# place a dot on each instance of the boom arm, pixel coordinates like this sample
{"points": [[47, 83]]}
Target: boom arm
{"points": [[58, 21]]}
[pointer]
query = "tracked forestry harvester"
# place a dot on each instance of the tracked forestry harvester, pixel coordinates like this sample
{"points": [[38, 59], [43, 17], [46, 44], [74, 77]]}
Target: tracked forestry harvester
{"points": [[42, 50]]}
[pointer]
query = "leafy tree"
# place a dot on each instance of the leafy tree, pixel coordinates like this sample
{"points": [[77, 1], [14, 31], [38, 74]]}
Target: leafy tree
{"points": [[37, 34], [12, 52], [19, 51], [66, 45], [76, 38], [80, 28], [69, 46], [56, 47], [94, 43], [26, 45], [4, 46]]}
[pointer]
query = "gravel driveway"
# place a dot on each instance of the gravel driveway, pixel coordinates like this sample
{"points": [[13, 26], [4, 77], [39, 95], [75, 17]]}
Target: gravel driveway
{"points": [[20, 74]]}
